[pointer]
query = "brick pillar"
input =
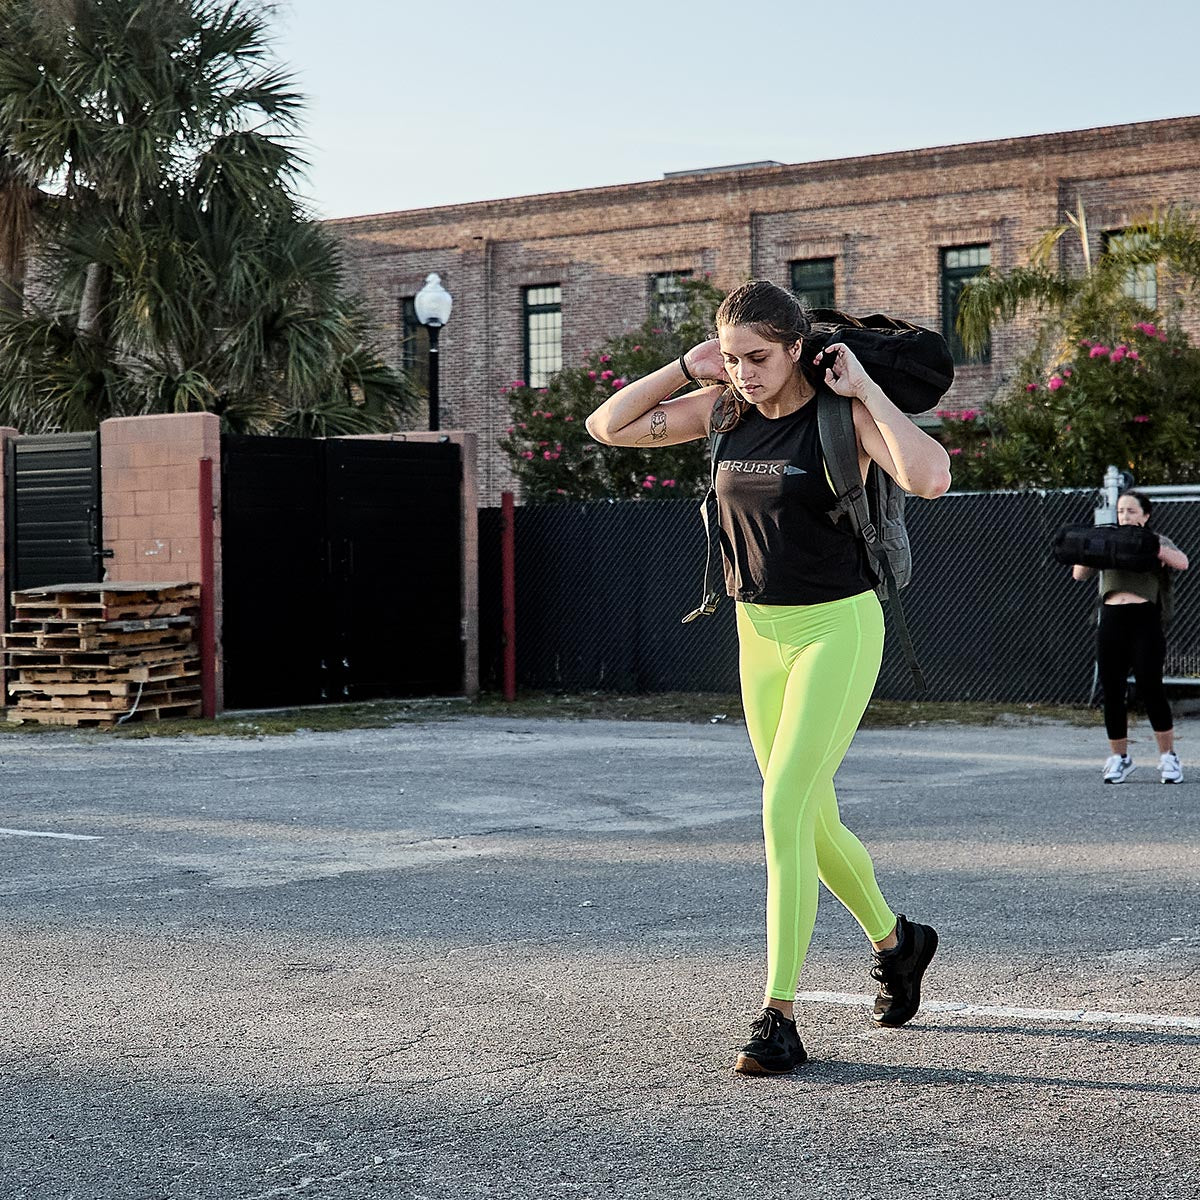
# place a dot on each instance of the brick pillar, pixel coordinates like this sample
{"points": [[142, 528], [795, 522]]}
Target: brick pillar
{"points": [[468, 444], [150, 479], [6, 432]]}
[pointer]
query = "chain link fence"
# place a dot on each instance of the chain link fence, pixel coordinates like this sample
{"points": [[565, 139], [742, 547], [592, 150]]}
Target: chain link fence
{"points": [[601, 588]]}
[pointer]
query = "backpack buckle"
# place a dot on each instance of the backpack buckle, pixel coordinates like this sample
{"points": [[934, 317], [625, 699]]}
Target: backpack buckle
{"points": [[708, 606]]}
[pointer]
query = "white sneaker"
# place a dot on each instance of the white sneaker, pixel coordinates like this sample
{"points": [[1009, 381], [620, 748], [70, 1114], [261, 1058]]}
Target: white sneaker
{"points": [[1117, 767], [1170, 768]]}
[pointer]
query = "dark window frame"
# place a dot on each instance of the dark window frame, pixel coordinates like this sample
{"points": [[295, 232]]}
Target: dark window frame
{"points": [[824, 296], [414, 346], [950, 285], [666, 304], [528, 312], [1141, 279]]}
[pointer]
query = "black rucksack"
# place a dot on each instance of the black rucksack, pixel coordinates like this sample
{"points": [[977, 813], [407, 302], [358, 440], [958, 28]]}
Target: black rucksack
{"points": [[914, 368], [913, 365], [1107, 547]]}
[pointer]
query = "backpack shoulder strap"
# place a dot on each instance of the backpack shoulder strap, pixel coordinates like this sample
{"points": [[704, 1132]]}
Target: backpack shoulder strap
{"points": [[714, 574], [839, 447]]}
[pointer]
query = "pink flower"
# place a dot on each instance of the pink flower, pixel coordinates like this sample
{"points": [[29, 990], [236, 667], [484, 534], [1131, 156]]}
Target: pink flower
{"points": [[956, 450], [1031, 387], [548, 416], [970, 414], [1141, 418], [541, 444], [512, 429], [1066, 372], [1118, 354], [637, 347], [618, 384], [656, 331], [667, 483], [1134, 355], [518, 383], [527, 454], [523, 425], [606, 358], [1162, 337], [1146, 328], [591, 374], [606, 374], [647, 484], [543, 392], [1067, 428], [1055, 382], [1085, 342], [1097, 351], [547, 455], [568, 418]]}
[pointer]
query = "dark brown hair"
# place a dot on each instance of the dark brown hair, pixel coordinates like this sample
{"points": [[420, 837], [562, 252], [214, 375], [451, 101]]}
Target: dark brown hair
{"points": [[773, 313]]}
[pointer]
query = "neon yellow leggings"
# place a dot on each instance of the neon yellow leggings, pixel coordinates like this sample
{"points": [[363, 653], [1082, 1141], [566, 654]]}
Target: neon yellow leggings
{"points": [[807, 673]]}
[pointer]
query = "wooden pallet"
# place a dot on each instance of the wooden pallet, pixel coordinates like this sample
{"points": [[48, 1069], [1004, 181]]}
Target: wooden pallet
{"points": [[105, 601], [100, 703], [37, 689], [102, 654], [162, 712], [100, 637], [173, 668], [60, 625]]}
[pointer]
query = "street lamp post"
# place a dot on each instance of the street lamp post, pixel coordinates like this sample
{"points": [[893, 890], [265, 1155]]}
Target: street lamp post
{"points": [[433, 304]]}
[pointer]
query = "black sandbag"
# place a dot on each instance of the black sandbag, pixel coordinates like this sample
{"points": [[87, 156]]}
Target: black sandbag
{"points": [[1107, 547]]}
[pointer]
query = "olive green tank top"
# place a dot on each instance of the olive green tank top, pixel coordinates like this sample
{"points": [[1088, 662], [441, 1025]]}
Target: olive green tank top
{"points": [[1147, 584]]}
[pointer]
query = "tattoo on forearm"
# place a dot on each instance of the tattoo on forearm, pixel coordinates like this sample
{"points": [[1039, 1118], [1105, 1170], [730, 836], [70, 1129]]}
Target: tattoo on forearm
{"points": [[658, 429]]}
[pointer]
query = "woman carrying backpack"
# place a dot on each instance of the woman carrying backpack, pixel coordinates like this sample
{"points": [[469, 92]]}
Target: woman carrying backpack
{"points": [[1130, 635], [810, 627]]}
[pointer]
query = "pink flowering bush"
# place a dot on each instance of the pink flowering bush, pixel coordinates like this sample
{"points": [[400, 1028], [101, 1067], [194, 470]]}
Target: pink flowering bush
{"points": [[549, 449], [1130, 398]]}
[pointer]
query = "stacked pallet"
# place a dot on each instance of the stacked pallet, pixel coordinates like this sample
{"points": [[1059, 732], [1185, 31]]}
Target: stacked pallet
{"points": [[102, 653]]}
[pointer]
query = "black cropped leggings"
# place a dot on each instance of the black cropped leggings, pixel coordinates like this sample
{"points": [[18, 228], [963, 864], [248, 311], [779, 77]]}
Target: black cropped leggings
{"points": [[1131, 637]]}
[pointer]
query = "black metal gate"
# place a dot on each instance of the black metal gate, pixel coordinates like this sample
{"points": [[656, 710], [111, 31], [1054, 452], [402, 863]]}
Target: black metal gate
{"points": [[342, 566], [53, 517]]}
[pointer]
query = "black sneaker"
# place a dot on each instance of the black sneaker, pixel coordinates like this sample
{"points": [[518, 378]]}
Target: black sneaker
{"points": [[774, 1047], [899, 972]]}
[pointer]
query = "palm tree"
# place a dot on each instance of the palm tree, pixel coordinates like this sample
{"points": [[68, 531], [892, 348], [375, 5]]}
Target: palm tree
{"points": [[1095, 303], [180, 270]]}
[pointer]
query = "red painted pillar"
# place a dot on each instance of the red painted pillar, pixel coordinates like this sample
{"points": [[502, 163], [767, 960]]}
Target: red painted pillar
{"points": [[508, 597], [208, 599]]}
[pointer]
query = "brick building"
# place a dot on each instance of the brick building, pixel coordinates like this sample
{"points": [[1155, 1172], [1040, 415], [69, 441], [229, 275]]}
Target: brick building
{"points": [[539, 280]]}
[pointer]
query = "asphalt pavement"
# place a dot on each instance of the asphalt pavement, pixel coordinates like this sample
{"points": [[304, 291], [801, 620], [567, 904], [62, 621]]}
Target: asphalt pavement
{"points": [[490, 957]]}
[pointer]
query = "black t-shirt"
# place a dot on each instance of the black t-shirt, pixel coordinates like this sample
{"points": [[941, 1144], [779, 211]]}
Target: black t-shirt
{"points": [[780, 544]]}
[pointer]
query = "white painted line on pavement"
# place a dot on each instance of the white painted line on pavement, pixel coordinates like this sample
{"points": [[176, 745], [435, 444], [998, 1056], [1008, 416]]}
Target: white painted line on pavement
{"points": [[1077, 1016], [66, 837]]}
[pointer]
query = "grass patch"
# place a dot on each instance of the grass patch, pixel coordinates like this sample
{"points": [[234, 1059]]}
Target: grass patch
{"points": [[696, 708]]}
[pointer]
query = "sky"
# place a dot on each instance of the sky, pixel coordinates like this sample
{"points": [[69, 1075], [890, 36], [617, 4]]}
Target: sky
{"points": [[411, 105]]}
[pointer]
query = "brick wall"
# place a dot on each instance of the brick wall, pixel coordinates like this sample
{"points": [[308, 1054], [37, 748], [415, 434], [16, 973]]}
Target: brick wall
{"points": [[150, 475], [883, 218]]}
